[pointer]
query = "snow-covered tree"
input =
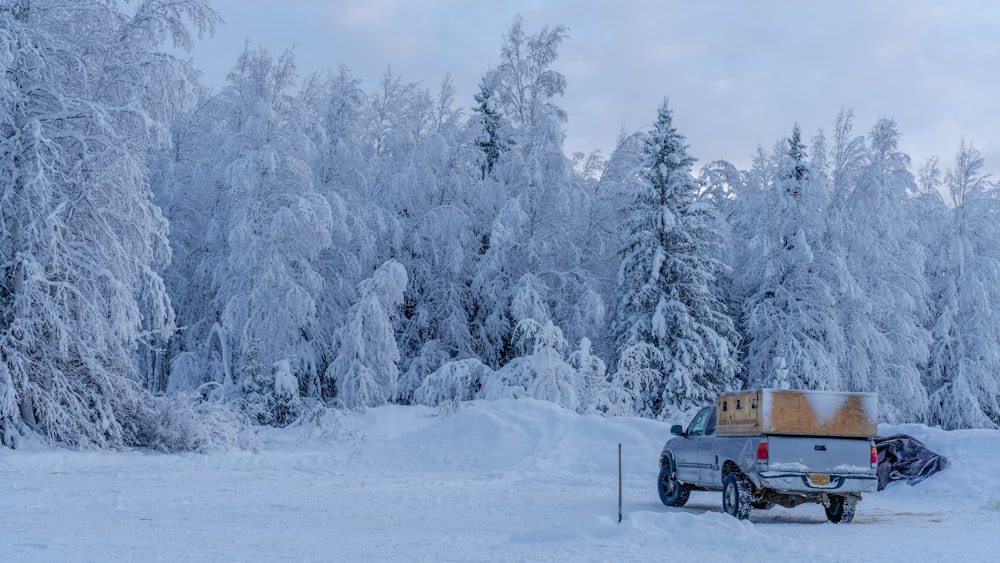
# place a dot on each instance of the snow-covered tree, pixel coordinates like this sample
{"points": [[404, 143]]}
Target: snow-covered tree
{"points": [[493, 138], [790, 324], [182, 180], [271, 227], [525, 80], [535, 227], [366, 368], [459, 380], [336, 120], [799, 169], [665, 282], [637, 382], [433, 184], [435, 327], [85, 91], [492, 320], [964, 359], [883, 301], [592, 386], [543, 373]]}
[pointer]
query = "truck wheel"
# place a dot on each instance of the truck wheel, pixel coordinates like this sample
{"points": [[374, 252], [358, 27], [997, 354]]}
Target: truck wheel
{"points": [[840, 510], [736, 496], [672, 492]]}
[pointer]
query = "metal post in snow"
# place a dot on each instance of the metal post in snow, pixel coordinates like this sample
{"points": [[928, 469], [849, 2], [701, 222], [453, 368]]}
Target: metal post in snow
{"points": [[619, 482]]}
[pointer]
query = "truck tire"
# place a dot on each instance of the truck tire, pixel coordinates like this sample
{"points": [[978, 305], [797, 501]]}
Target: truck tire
{"points": [[672, 492], [840, 511], [736, 496]]}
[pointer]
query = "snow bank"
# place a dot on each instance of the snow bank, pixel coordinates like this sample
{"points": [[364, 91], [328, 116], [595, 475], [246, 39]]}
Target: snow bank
{"points": [[497, 480]]}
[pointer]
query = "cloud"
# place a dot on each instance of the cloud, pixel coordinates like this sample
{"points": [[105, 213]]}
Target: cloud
{"points": [[364, 13], [738, 73]]}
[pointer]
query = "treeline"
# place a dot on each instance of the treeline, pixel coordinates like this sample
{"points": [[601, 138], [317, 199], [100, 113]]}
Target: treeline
{"points": [[175, 261]]}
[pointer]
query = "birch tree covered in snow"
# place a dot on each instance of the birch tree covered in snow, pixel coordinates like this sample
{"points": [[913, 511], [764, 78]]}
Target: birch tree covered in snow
{"points": [[529, 179], [185, 183], [278, 225], [534, 242], [964, 358], [884, 300], [84, 92], [366, 369], [435, 185], [336, 122]]}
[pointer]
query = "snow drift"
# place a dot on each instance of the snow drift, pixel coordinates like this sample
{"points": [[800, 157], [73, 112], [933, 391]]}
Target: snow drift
{"points": [[489, 480]]}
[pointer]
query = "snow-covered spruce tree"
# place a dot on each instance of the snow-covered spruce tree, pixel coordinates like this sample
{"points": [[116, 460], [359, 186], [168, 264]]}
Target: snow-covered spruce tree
{"points": [[790, 324], [366, 369], [493, 132], [884, 301], [668, 266], [964, 360], [276, 227], [84, 91]]}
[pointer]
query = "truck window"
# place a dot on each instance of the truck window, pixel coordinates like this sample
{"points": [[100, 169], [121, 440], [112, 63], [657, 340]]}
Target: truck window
{"points": [[710, 427], [699, 422]]}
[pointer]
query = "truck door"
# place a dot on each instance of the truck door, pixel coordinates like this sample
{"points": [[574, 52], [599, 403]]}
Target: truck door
{"points": [[689, 456], [708, 463]]}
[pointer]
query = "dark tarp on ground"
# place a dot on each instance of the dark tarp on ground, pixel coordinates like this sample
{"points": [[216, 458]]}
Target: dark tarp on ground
{"points": [[904, 457]]}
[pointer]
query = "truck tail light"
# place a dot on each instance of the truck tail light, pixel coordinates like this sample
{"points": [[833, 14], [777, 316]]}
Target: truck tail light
{"points": [[762, 451], [874, 457]]}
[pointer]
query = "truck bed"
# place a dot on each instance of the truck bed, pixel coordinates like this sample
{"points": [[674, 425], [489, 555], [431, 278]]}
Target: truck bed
{"points": [[797, 413]]}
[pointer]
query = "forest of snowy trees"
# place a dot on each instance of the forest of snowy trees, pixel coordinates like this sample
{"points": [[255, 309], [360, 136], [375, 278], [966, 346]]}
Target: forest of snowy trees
{"points": [[175, 261]]}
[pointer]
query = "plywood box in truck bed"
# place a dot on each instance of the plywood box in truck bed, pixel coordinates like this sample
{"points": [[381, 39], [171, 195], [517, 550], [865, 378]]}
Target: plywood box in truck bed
{"points": [[797, 413]]}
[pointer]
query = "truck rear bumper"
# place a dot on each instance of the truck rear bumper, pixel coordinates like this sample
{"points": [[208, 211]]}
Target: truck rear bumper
{"points": [[817, 483]]}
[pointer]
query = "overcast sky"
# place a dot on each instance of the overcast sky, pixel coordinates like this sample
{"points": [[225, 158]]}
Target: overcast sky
{"points": [[738, 73]]}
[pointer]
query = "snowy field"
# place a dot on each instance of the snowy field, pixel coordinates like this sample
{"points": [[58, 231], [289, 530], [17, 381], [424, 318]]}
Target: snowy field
{"points": [[498, 481]]}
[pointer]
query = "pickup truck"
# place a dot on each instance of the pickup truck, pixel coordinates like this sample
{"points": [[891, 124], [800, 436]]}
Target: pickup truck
{"points": [[768, 447]]}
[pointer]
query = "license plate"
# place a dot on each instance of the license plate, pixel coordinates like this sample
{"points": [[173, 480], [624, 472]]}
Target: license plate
{"points": [[819, 479]]}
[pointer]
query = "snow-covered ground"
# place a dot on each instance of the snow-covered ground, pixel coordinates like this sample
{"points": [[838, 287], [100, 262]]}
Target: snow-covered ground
{"points": [[503, 480]]}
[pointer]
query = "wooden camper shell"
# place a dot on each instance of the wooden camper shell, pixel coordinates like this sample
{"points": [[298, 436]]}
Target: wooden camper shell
{"points": [[797, 413]]}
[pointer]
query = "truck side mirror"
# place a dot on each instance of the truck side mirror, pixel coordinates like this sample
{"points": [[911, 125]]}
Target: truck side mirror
{"points": [[677, 430]]}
